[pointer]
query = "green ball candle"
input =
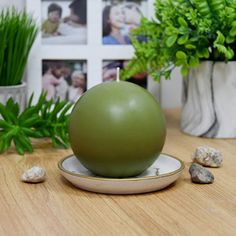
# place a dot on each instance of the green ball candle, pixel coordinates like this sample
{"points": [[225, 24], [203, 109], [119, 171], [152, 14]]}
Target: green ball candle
{"points": [[117, 129]]}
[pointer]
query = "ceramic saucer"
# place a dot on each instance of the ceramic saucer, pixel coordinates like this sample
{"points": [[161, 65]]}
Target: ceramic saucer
{"points": [[164, 171]]}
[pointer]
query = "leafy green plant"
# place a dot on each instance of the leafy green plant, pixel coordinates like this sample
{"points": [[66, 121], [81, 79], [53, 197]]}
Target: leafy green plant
{"points": [[183, 33], [42, 120], [17, 34]]}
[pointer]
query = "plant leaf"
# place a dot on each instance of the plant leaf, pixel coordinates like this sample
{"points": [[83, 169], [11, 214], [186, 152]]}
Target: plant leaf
{"points": [[181, 55], [182, 21], [183, 39], [171, 40]]}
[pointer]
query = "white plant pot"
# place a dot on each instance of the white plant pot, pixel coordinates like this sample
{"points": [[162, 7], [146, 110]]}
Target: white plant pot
{"points": [[17, 92], [209, 100]]}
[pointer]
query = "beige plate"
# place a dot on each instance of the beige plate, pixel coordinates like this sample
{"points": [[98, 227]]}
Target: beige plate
{"points": [[164, 171]]}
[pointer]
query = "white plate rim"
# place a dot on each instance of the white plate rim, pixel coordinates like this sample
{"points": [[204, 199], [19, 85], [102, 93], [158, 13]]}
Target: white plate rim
{"points": [[96, 178]]}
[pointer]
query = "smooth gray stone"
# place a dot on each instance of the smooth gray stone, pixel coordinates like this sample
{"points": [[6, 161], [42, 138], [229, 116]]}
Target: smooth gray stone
{"points": [[200, 174]]}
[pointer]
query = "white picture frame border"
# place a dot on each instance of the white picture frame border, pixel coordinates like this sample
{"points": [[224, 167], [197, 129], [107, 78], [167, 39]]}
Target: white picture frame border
{"points": [[94, 52]]}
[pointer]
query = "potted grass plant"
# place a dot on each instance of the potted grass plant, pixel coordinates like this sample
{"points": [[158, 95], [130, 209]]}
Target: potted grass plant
{"points": [[199, 36], [17, 34]]}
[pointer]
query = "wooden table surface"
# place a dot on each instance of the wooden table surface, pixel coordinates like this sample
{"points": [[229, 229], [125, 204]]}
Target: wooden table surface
{"points": [[55, 207]]}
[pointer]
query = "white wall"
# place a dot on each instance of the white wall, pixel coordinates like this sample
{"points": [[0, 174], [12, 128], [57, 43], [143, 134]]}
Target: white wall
{"points": [[18, 3], [170, 89]]}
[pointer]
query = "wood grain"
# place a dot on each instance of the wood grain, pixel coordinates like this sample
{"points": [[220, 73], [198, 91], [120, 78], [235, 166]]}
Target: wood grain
{"points": [[55, 207]]}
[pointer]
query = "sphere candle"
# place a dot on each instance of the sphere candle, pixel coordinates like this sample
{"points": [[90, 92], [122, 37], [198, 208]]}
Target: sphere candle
{"points": [[117, 129]]}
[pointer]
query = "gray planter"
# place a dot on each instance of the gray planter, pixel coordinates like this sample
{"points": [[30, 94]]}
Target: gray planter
{"points": [[209, 100], [17, 92]]}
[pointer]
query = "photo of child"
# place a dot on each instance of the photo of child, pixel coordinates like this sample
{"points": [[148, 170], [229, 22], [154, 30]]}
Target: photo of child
{"points": [[120, 18], [109, 72], [64, 22], [50, 26], [64, 79]]}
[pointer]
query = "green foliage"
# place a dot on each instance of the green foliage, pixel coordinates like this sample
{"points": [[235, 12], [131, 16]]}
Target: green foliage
{"points": [[183, 33], [42, 120], [17, 34]]}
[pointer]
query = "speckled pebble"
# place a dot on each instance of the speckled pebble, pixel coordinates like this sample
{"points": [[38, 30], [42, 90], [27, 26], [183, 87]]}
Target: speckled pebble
{"points": [[34, 175], [200, 174], [208, 156]]}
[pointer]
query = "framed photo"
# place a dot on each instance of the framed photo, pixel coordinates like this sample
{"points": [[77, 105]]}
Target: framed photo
{"points": [[72, 35], [64, 22], [119, 18], [64, 79], [109, 72]]}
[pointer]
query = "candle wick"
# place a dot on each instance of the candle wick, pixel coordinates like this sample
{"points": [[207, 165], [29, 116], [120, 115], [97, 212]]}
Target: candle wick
{"points": [[118, 74]]}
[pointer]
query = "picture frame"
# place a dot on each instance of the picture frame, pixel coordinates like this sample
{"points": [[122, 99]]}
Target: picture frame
{"points": [[94, 52]]}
